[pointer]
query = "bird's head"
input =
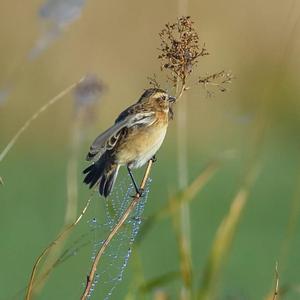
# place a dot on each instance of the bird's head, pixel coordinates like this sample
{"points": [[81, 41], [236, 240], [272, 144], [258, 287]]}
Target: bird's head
{"points": [[157, 96]]}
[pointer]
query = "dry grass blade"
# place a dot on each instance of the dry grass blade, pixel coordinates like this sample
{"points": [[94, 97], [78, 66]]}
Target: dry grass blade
{"points": [[35, 116], [274, 293], [161, 295], [292, 225], [185, 196], [50, 246], [221, 244], [135, 200], [276, 289], [184, 252], [225, 235], [159, 281], [176, 204], [290, 232], [190, 191], [71, 204]]}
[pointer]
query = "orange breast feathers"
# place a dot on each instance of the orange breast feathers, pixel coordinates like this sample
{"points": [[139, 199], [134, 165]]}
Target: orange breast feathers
{"points": [[143, 141]]}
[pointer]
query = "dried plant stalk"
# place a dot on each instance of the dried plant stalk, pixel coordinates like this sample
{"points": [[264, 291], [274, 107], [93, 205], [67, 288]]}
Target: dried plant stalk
{"points": [[221, 244], [276, 289], [274, 293], [220, 80], [224, 237], [35, 116], [50, 246], [117, 227], [179, 49], [71, 203]]}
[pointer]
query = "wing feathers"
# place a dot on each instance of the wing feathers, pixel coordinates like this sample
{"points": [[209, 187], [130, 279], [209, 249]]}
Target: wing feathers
{"points": [[109, 138]]}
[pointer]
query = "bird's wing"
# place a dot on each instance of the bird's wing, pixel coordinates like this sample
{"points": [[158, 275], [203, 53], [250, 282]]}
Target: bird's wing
{"points": [[108, 139]]}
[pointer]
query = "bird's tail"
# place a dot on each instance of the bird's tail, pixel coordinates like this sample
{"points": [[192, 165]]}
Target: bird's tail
{"points": [[104, 171]]}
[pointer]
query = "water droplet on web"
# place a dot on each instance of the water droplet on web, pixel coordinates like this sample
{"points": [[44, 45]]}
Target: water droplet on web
{"points": [[116, 257]]}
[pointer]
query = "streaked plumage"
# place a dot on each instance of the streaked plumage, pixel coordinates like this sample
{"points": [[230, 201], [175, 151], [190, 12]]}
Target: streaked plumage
{"points": [[135, 137]]}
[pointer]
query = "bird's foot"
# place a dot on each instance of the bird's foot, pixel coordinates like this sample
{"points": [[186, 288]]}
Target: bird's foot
{"points": [[154, 159], [139, 193]]}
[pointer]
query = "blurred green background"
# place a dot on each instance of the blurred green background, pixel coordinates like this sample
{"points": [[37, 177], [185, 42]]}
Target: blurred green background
{"points": [[257, 121]]}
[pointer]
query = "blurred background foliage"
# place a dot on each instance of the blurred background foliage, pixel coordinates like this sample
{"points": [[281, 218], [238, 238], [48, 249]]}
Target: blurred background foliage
{"points": [[46, 46]]}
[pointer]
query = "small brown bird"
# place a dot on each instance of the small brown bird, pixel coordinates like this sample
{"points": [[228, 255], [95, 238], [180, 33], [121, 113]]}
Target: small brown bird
{"points": [[133, 140]]}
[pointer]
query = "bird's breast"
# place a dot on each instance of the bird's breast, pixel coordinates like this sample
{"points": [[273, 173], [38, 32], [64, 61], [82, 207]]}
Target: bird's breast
{"points": [[141, 143]]}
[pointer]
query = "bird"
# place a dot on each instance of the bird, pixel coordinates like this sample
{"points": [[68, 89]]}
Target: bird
{"points": [[134, 139]]}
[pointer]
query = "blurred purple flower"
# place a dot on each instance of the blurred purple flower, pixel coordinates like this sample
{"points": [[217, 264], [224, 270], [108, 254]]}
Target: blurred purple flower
{"points": [[61, 12], [3, 96], [58, 14], [88, 92], [43, 42]]}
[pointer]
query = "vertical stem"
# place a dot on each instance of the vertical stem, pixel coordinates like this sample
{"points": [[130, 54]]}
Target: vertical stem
{"points": [[182, 142], [184, 214], [71, 203], [72, 171], [35, 116], [182, 157], [114, 231]]}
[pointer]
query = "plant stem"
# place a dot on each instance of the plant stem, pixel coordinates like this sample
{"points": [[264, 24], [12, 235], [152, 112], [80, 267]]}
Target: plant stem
{"points": [[135, 200], [35, 116], [185, 235], [71, 203], [184, 214], [50, 246]]}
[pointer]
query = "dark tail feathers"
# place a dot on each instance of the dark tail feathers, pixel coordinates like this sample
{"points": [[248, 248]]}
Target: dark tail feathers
{"points": [[105, 172]]}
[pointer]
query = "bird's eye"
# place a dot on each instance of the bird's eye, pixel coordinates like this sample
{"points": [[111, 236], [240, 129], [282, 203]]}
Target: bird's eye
{"points": [[163, 97]]}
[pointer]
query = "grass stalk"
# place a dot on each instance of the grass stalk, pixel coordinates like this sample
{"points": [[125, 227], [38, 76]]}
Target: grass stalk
{"points": [[71, 203], [62, 235], [184, 215], [114, 231], [276, 288], [224, 238], [185, 196], [52, 101]]}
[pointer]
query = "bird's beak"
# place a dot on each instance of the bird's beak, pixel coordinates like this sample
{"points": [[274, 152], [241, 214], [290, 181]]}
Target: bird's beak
{"points": [[171, 99]]}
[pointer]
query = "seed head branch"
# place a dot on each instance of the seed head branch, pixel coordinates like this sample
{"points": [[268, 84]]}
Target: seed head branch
{"points": [[179, 54]]}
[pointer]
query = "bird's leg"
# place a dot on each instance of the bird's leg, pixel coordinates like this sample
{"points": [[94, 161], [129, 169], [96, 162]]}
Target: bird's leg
{"points": [[154, 159], [137, 189]]}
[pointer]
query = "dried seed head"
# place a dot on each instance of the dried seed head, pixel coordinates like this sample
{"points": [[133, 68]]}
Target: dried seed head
{"points": [[153, 82], [220, 80], [179, 49]]}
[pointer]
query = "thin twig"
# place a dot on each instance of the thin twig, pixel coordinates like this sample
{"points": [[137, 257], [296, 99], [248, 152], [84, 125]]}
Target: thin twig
{"points": [[50, 246], [35, 115], [276, 290], [135, 200], [71, 204]]}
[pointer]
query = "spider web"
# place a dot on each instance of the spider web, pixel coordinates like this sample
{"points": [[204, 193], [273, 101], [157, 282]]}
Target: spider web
{"points": [[115, 259]]}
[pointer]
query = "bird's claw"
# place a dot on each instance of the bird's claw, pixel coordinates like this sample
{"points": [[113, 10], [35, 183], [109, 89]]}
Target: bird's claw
{"points": [[154, 159], [139, 193]]}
